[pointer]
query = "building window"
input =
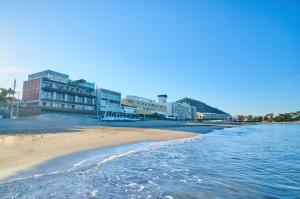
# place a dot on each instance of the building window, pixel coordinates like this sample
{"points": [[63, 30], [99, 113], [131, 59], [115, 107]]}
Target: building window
{"points": [[58, 86], [47, 84], [71, 98], [89, 100], [80, 99], [47, 95], [44, 103], [60, 96]]}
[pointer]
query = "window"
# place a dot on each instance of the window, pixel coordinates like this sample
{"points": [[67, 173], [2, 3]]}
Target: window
{"points": [[60, 87], [47, 84], [60, 96], [80, 99], [89, 100], [71, 98], [47, 95]]}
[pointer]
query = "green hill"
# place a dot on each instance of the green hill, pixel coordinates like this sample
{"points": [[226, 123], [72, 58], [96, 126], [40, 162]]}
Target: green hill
{"points": [[201, 107]]}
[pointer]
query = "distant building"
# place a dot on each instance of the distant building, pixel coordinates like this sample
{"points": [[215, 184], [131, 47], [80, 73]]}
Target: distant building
{"points": [[179, 110], [108, 101], [144, 106], [162, 99], [128, 109], [212, 116], [55, 91], [194, 112]]}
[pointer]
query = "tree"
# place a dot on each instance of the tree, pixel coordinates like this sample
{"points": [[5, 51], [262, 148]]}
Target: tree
{"points": [[6, 95]]}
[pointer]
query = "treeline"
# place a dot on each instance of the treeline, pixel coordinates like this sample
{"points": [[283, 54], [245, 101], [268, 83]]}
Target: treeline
{"points": [[284, 117]]}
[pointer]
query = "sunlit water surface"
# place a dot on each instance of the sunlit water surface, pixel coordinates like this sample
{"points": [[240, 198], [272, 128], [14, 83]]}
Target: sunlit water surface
{"points": [[260, 161]]}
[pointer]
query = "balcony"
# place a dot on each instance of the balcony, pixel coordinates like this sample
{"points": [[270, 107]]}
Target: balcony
{"points": [[68, 90], [68, 102]]}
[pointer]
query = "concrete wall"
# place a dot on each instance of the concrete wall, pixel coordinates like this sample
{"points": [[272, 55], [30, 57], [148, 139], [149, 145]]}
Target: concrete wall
{"points": [[27, 111]]}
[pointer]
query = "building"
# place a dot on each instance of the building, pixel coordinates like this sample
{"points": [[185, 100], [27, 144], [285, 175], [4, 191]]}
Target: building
{"points": [[212, 116], [108, 102], [194, 112], [144, 106], [128, 110], [55, 91], [178, 110], [162, 99]]}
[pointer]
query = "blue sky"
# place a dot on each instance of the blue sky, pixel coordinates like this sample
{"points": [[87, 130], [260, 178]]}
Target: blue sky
{"points": [[240, 56]]}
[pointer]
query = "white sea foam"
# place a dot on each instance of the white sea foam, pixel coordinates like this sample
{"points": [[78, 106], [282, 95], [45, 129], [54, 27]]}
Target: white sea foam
{"points": [[94, 193], [78, 164], [152, 146], [169, 197], [34, 176], [150, 182]]}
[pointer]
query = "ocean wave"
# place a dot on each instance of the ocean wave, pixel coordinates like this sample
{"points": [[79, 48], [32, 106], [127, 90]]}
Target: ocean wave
{"points": [[151, 146]]}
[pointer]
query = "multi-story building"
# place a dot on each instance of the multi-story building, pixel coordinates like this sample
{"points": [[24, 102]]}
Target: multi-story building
{"points": [[53, 90], [179, 110], [128, 110], [108, 102], [144, 106], [213, 116]]}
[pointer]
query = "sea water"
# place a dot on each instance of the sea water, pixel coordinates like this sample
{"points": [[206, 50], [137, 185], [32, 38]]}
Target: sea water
{"points": [[259, 161]]}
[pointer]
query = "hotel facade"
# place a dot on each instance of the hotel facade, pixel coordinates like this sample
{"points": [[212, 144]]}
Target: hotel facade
{"points": [[144, 106], [108, 102], [212, 116], [55, 91], [179, 111]]}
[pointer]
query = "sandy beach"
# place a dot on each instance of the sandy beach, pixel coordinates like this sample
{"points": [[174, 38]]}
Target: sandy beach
{"points": [[24, 151]]}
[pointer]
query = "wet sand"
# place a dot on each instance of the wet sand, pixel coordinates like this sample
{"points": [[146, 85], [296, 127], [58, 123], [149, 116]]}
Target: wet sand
{"points": [[20, 152]]}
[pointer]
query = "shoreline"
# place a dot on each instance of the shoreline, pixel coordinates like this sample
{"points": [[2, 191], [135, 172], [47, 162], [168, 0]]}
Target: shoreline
{"points": [[21, 152]]}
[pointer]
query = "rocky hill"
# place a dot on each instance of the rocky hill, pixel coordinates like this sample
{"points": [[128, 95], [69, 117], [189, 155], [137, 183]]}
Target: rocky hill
{"points": [[201, 107]]}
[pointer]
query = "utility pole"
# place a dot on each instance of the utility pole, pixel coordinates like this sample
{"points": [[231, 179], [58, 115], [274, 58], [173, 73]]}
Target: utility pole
{"points": [[13, 98], [97, 104], [18, 104]]}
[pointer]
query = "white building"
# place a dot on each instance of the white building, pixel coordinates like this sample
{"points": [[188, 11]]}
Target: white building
{"points": [[108, 102], [179, 110], [144, 106], [128, 109], [212, 116]]}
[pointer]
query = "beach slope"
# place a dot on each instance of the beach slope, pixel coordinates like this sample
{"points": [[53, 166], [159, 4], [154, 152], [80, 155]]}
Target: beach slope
{"points": [[21, 152]]}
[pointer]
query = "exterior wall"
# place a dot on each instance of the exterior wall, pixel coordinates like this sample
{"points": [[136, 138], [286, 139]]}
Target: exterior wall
{"points": [[212, 116], [144, 106], [67, 96], [55, 91], [52, 75], [31, 90], [108, 101], [27, 111], [179, 110]]}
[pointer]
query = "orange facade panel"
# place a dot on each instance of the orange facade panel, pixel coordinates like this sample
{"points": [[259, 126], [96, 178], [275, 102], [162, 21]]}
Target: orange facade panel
{"points": [[31, 89]]}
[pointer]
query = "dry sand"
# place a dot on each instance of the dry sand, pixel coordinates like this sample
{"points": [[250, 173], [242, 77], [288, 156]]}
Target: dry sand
{"points": [[21, 152]]}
